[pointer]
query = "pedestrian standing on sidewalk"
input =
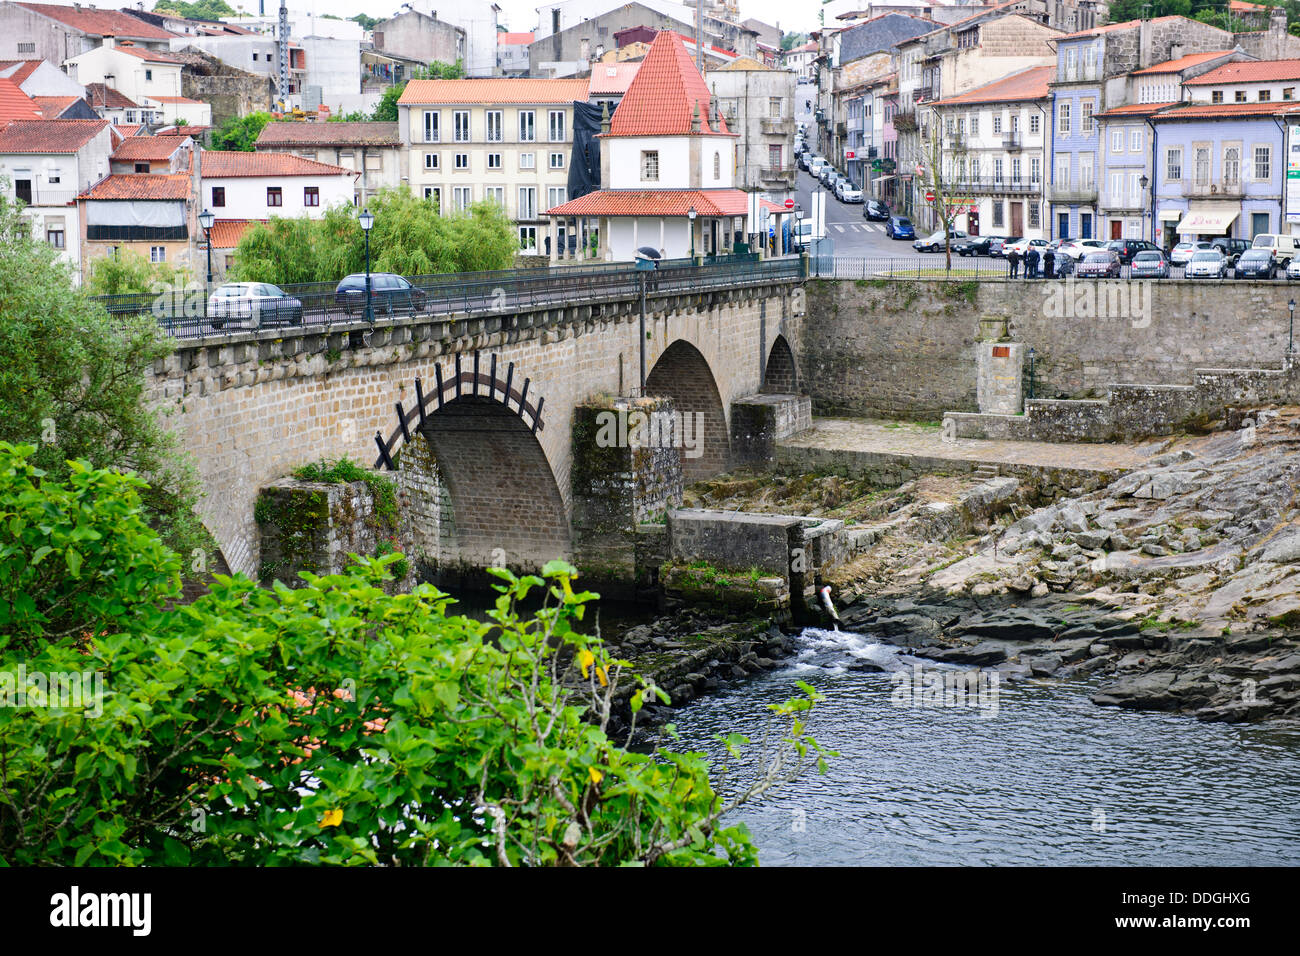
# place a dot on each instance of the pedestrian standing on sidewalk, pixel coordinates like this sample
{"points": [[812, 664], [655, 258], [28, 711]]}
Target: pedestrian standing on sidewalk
{"points": [[1031, 263], [1013, 257], [1049, 264]]}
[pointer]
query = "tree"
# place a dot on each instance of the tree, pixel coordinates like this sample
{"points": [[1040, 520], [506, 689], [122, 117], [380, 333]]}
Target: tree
{"points": [[240, 132], [73, 379], [386, 108], [356, 116], [334, 723], [197, 10], [130, 273], [946, 171], [367, 22], [791, 40], [410, 237]]}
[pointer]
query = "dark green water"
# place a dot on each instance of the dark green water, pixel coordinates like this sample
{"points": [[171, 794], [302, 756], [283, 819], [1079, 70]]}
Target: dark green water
{"points": [[1049, 779]]}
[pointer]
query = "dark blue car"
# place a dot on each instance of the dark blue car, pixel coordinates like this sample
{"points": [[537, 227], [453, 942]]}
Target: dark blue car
{"points": [[899, 227]]}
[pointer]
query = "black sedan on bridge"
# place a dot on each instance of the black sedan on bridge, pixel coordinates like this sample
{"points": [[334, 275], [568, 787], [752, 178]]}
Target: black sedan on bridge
{"points": [[389, 293]]}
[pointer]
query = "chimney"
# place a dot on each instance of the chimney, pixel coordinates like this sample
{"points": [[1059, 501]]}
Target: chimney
{"points": [[695, 118], [110, 42], [1175, 51], [604, 116]]}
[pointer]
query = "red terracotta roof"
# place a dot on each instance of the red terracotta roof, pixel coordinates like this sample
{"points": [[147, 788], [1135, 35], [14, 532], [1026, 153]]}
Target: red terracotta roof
{"points": [[514, 39], [174, 99], [24, 69], [154, 148], [126, 130], [1137, 109], [226, 233], [1180, 64], [1237, 6], [493, 90], [112, 23], [1249, 71], [656, 202], [609, 78], [1209, 110], [188, 129], [48, 136], [226, 164], [329, 134], [1030, 84], [100, 96], [15, 104], [52, 107], [666, 94], [153, 56], [149, 186]]}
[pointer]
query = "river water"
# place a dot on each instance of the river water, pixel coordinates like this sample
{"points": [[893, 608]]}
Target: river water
{"points": [[1049, 778]]}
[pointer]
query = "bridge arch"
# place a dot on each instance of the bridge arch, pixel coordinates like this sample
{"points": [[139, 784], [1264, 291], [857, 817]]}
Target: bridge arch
{"points": [[780, 375], [682, 373]]}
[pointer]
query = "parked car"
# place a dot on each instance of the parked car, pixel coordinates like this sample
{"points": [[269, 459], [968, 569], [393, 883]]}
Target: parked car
{"points": [[389, 293], [826, 174], [1283, 248], [1021, 246], [998, 245], [935, 241], [1075, 248], [1255, 264], [802, 237], [1099, 264], [974, 245], [815, 164], [1181, 253], [1149, 264], [1128, 248], [848, 191], [251, 305], [1293, 269], [1206, 264], [1231, 248], [875, 210], [899, 227]]}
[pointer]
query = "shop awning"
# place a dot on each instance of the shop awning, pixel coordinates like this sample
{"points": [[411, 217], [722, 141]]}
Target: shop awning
{"points": [[1208, 219], [880, 179], [1170, 215]]}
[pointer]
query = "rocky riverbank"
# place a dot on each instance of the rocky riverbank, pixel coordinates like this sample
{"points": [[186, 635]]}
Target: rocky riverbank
{"points": [[1177, 585]]}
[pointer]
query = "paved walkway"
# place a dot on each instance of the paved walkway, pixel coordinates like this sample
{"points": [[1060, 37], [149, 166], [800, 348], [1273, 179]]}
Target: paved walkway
{"points": [[904, 439]]}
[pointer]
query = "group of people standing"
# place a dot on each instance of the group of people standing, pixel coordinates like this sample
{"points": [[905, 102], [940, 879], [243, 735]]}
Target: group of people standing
{"points": [[1031, 260]]}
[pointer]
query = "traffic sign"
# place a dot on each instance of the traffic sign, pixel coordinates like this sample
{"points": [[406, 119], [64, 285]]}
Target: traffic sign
{"points": [[929, 195], [789, 204]]}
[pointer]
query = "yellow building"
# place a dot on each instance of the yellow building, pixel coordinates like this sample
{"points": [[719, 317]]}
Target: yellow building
{"points": [[505, 139]]}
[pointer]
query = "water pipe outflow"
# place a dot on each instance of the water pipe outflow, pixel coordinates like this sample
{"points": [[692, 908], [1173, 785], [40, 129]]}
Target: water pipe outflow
{"points": [[830, 608]]}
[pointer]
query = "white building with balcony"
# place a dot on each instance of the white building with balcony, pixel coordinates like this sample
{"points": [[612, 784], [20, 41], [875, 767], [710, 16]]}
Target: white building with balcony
{"points": [[45, 164]]}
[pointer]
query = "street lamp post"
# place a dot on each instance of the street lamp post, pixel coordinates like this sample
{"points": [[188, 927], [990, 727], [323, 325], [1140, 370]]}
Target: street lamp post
{"points": [[1143, 183], [367, 222], [691, 216], [206, 220], [1290, 330]]}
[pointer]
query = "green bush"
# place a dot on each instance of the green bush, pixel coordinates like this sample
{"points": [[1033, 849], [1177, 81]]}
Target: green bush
{"points": [[336, 724]]}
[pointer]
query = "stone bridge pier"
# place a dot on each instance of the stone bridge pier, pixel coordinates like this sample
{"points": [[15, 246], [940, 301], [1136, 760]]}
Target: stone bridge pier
{"points": [[484, 418]]}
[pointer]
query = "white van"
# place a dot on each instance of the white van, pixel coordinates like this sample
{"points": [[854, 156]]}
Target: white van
{"points": [[1283, 248]]}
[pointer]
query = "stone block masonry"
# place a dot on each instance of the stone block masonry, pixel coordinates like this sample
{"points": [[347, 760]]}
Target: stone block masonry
{"points": [[908, 348], [252, 408]]}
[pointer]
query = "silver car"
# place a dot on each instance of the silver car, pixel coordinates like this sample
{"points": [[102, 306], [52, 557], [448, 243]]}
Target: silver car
{"points": [[250, 305], [1206, 264]]}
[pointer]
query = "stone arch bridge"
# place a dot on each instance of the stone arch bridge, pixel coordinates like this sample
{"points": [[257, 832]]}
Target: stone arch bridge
{"points": [[476, 408]]}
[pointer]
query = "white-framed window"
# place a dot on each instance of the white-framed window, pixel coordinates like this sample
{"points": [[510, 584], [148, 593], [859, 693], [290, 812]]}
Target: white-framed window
{"points": [[494, 161], [55, 237], [650, 165], [1135, 190], [1174, 163], [556, 196], [495, 126], [1035, 169], [1015, 169], [1116, 188], [1063, 118], [557, 160], [1085, 171], [1231, 164], [1035, 122], [1201, 164], [1085, 117], [555, 126], [997, 122], [462, 161], [527, 126], [1135, 141], [1263, 162], [460, 126], [527, 160], [461, 197], [55, 176], [496, 194], [1117, 141], [997, 170], [130, 116], [1015, 121], [527, 202], [157, 253], [974, 125], [528, 238], [432, 133], [430, 160], [1063, 171], [434, 195]]}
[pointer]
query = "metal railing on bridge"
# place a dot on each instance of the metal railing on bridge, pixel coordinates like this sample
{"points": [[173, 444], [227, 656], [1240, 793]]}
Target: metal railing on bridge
{"points": [[916, 267], [184, 312]]}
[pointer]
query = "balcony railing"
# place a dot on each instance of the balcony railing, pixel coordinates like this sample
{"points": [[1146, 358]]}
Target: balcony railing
{"points": [[777, 174], [1073, 194], [48, 197], [994, 184], [776, 127], [1226, 188], [1011, 141]]}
